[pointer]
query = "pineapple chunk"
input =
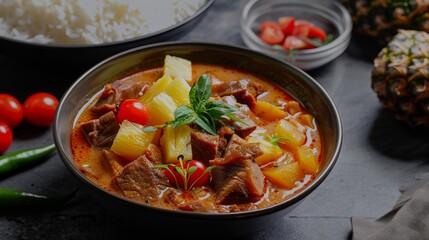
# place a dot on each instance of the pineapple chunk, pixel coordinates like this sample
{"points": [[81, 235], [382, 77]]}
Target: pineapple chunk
{"points": [[268, 111], [131, 141], [175, 142], [307, 160], [178, 68], [179, 91], [284, 176], [270, 152], [161, 109], [294, 136], [306, 119], [160, 85]]}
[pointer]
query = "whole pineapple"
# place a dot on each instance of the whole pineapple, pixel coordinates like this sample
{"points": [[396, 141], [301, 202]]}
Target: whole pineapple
{"points": [[381, 19], [400, 77]]}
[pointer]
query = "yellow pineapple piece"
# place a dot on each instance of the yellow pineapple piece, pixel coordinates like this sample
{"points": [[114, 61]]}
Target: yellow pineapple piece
{"points": [[131, 141], [175, 142], [178, 68], [307, 160], [270, 152], [284, 176], [306, 119], [294, 136], [268, 111], [160, 85], [179, 91], [161, 109]]}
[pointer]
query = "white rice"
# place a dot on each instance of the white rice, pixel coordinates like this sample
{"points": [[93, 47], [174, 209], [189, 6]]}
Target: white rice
{"points": [[90, 21]]}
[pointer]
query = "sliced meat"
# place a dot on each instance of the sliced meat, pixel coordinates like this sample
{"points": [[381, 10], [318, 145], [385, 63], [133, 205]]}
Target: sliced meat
{"points": [[129, 87], [141, 181], [237, 150], [111, 162], [206, 147], [242, 129], [238, 183], [245, 90], [153, 154], [102, 131]]}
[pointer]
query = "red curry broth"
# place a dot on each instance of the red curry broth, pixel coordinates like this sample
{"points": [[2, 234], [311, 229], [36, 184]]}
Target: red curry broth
{"points": [[88, 161]]}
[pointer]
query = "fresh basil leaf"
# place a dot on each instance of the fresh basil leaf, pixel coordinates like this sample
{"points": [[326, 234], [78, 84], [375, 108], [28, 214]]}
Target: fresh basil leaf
{"points": [[208, 169], [217, 109], [161, 165], [202, 90], [183, 115], [206, 123], [179, 170]]}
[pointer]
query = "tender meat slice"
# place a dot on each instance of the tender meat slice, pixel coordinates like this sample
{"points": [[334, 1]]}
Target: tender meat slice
{"points": [[238, 183], [242, 129], [236, 150], [140, 181], [102, 131], [153, 154], [111, 162], [129, 87], [245, 90], [206, 147]]}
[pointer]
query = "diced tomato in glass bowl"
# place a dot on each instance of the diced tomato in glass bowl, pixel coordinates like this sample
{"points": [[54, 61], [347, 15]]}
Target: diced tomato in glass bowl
{"points": [[307, 34]]}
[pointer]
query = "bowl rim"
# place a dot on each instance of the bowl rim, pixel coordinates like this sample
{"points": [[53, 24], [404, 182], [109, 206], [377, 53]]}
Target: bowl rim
{"points": [[343, 37], [147, 36], [200, 215]]}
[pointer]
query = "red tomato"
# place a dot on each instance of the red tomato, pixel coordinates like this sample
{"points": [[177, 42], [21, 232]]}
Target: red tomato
{"points": [[269, 24], [39, 109], [196, 179], [11, 111], [287, 25], [6, 137], [134, 111], [317, 32], [295, 43], [272, 35], [301, 29]]}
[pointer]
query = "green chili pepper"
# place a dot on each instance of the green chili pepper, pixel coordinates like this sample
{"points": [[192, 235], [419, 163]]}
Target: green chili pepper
{"points": [[11, 198], [23, 158]]}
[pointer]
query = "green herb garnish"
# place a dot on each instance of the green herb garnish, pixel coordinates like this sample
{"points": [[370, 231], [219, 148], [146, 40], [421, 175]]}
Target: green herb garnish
{"points": [[201, 111], [317, 42], [275, 139]]}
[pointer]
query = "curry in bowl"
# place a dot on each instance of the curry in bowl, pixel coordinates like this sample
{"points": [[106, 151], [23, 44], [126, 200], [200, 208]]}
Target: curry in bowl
{"points": [[197, 137]]}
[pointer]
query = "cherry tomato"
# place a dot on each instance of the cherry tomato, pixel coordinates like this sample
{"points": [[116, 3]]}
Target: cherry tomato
{"points": [[272, 34], [287, 25], [294, 42], [196, 179], [39, 109], [6, 137], [269, 24], [302, 28], [134, 111], [317, 32], [11, 111]]}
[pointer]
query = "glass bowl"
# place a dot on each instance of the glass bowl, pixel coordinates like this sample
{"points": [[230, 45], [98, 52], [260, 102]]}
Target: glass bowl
{"points": [[331, 16]]}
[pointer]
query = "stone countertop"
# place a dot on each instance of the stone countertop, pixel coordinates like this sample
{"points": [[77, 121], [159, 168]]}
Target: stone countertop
{"points": [[379, 154]]}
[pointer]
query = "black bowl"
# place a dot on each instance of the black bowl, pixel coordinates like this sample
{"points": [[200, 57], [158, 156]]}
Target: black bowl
{"points": [[170, 222], [89, 54]]}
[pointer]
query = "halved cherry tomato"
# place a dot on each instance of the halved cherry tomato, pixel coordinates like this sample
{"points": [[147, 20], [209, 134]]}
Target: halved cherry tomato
{"points": [[6, 137], [269, 24], [317, 32], [195, 172], [287, 25], [134, 111], [39, 109], [11, 111], [302, 28], [271, 32], [295, 43]]}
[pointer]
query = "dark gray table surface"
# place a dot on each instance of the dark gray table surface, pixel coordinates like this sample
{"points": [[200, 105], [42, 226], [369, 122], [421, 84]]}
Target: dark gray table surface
{"points": [[379, 154]]}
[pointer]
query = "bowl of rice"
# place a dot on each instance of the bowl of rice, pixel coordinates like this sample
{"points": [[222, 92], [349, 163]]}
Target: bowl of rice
{"points": [[85, 32]]}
